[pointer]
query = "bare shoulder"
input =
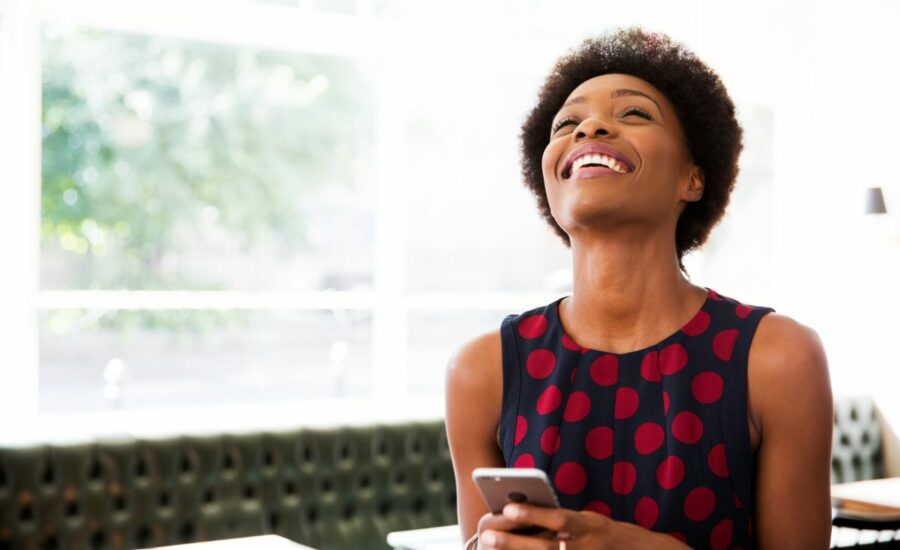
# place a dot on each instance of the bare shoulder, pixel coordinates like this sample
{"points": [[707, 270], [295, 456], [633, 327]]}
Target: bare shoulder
{"points": [[788, 370], [476, 367]]}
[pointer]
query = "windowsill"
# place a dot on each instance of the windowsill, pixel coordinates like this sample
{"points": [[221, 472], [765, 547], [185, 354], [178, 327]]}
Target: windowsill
{"points": [[324, 413]]}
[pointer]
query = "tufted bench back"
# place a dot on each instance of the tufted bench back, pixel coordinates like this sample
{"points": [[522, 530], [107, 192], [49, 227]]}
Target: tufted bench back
{"points": [[857, 452], [341, 488]]}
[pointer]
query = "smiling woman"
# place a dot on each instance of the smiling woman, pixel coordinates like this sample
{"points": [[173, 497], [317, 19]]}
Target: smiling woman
{"points": [[663, 412]]}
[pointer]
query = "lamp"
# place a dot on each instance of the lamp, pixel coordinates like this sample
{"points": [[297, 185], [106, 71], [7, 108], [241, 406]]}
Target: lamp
{"points": [[875, 201]]}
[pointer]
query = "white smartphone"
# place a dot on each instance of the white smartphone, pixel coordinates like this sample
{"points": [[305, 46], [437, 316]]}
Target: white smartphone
{"points": [[500, 486]]}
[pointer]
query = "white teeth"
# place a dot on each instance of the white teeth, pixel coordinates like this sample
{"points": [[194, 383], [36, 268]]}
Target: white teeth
{"points": [[598, 159]]}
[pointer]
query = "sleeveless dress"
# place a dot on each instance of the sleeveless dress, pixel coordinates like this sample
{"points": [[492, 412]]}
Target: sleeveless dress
{"points": [[657, 437]]}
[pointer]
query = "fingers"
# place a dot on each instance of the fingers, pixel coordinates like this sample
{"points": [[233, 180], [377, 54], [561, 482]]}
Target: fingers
{"points": [[500, 540], [498, 522], [560, 520]]}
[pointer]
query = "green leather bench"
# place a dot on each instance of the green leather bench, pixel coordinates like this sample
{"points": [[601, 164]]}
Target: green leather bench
{"points": [[341, 488]]}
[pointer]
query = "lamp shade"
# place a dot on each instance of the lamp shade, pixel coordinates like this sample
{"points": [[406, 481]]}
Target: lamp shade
{"points": [[875, 201]]}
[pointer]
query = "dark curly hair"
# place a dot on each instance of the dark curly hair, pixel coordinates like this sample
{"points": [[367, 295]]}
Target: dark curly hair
{"points": [[707, 114]]}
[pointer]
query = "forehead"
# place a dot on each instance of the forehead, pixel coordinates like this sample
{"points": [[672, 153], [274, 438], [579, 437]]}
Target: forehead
{"points": [[604, 85]]}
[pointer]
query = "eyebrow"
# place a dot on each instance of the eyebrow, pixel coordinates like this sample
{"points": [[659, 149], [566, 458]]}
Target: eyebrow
{"points": [[616, 93]]}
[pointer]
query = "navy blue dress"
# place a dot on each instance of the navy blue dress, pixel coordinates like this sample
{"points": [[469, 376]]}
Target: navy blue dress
{"points": [[656, 437]]}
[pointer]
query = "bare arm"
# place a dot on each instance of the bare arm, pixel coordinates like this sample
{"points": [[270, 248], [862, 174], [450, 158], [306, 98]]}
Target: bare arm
{"points": [[791, 393], [474, 393]]}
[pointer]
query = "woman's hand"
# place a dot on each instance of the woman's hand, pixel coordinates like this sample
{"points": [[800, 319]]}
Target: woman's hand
{"points": [[579, 531]]}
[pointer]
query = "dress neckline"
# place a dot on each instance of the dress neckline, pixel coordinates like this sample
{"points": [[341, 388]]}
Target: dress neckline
{"points": [[666, 340]]}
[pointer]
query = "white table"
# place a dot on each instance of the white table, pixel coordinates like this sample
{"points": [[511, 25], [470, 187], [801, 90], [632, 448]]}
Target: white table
{"points": [[432, 538], [263, 542]]}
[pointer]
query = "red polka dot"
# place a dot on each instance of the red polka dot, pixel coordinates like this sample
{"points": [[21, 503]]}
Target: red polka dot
{"points": [[670, 472], [737, 502], [707, 387], [687, 427], [646, 512], [599, 442], [697, 325], [648, 437], [650, 367], [742, 311], [521, 428], [605, 370], [550, 440], [723, 343], [665, 402], [714, 295], [679, 536], [599, 507], [624, 477], [577, 407], [672, 359], [720, 537], [717, 461], [524, 461], [549, 400], [699, 503], [627, 402], [570, 344], [570, 478], [540, 363], [533, 326]]}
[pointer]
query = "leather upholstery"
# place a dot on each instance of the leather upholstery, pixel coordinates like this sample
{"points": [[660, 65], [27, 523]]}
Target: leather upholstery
{"points": [[856, 447], [342, 488]]}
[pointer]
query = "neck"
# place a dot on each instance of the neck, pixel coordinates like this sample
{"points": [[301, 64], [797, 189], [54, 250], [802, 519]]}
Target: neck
{"points": [[627, 295]]}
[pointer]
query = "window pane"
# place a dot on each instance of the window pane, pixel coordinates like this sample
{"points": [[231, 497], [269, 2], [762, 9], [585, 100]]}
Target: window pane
{"points": [[472, 224], [101, 360], [176, 165], [434, 336]]}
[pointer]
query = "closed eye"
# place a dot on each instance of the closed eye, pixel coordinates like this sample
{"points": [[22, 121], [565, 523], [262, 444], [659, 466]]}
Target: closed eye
{"points": [[627, 112]]}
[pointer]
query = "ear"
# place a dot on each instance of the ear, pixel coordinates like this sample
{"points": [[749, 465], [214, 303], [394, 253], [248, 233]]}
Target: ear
{"points": [[695, 184]]}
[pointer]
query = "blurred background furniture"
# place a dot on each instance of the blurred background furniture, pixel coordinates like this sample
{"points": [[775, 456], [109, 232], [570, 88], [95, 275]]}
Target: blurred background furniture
{"points": [[325, 488]]}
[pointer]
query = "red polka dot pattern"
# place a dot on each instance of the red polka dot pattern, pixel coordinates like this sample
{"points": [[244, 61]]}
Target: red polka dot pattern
{"points": [[646, 513], [524, 461], [540, 363], [549, 400], [599, 442], [650, 367], [627, 403], [670, 472], [697, 325], [699, 503], [720, 538], [521, 429], [533, 326], [599, 507], [577, 407], [723, 344], [624, 477], [550, 441], [648, 437], [605, 370], [707, 387], [717, 461], [672, 359], [637, 436], [687, 427], [570, 478]]}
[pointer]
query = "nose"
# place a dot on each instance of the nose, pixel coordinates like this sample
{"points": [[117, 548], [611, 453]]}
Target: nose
{"points": [[591, 126]]}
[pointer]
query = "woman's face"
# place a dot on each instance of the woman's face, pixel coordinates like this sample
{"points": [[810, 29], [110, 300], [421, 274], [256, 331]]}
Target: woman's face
{"points": [[652, 176]]}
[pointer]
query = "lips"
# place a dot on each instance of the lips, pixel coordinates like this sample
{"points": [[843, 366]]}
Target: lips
{"points": [[597, 148]]}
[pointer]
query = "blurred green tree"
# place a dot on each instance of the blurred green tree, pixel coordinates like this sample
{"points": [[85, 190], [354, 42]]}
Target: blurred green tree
{"points": [[153, 145]]}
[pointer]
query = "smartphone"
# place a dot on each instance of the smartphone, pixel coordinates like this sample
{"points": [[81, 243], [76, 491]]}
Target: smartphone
{"points": [[500, 486]]}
